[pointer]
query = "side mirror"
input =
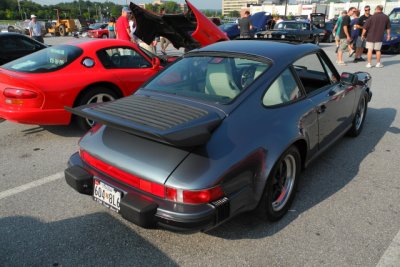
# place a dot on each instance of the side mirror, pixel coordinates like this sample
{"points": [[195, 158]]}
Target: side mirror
{"points": [[349, 78], [156, 63]]}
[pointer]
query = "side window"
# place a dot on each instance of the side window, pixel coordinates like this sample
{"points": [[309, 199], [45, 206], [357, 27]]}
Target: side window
{"points": [[25, 44], [122, 58], [331, 75], [311, 73], [284, 89]]}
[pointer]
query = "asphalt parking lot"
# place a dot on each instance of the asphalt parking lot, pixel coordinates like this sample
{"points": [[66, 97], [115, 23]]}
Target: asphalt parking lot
{"points": [[346, 212]]}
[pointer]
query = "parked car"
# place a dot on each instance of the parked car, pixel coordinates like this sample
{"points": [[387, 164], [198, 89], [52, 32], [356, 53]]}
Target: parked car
{"points": [[259, 21], [52, 78], [393, 45], [394, 16], [98, 30], [216, 20], [224, 130], [326, 27], [15, 45], [92, 71], [328, 32], [293, 30]]}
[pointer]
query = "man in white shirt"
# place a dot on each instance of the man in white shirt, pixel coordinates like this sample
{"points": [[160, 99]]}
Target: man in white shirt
{"points": [[35, 29]]}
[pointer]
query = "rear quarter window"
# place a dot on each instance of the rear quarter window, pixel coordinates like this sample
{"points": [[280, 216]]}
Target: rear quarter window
{"points": [[46, 60]]}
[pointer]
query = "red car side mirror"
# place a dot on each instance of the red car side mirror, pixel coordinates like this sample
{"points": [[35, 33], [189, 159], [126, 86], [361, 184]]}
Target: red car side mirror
{"points": [[156, 63]]}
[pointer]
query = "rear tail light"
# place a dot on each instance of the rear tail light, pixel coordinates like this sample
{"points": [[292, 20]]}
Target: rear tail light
{"points": [[194, 197], [169, 193], [19, 93], [128, 178]]}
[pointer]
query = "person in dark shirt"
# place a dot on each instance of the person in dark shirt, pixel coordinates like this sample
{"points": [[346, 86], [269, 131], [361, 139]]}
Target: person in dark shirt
{"points": [[354, 33], [344, 36], [373, 31], [245, 25], [360, 45]]}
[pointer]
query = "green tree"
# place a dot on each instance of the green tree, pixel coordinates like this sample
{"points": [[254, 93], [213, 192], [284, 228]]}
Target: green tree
{"points": [[9, 14], [172, 7], [234, 14]]}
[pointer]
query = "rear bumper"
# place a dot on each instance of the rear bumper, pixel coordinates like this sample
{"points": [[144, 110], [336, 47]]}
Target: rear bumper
{"points": [[36, 116], [148, 211]]}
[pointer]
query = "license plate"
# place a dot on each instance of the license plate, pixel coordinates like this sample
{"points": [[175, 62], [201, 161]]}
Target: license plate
{"points": [[106, 195], [283, 36]]}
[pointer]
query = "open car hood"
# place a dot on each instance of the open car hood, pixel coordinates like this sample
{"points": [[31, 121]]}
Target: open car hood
{"points": [[318, 19], [189, 30], [259, 19]]}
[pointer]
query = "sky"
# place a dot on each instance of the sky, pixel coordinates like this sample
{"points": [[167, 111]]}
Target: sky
{"points": [[201, 4]]}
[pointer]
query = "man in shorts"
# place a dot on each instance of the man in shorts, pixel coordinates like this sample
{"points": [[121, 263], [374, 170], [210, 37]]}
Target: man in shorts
{"points": [[373, 31], [344, 36], [360, 45]]}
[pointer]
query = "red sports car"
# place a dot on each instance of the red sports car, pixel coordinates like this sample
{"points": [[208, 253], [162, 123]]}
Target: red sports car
{"points": [[98, 30], [36, 88]]}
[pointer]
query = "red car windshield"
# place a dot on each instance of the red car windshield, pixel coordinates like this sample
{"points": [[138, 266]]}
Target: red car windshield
{"points": [[46, 60]]}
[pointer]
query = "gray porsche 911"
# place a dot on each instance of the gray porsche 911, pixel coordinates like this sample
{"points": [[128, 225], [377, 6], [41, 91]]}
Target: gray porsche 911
{"points": [[223, 130]]}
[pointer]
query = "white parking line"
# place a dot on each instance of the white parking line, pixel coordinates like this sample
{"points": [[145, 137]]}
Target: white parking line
{"points": [[391, 257], [22, 188]]}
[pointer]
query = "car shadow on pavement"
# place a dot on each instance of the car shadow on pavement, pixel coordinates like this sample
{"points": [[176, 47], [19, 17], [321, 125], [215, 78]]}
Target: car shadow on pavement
{"points": [[88, 240], [61, 130], [323, 178]]}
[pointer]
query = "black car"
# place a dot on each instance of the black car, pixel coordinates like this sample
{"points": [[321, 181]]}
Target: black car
{"points": [[15, 45], [328, 32], [302, 31], [225, 129]]}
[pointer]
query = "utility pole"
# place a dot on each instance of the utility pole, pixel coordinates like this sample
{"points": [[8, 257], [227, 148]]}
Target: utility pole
{"points": [[19, 8], [79, 3]]}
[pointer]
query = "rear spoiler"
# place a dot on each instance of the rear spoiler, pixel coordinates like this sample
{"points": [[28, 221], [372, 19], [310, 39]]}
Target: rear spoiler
{"points": [[160, 120]]}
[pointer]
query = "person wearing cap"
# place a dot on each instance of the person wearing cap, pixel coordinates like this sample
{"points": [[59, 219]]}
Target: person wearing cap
{"points": [[35, 29], [123, 31]]}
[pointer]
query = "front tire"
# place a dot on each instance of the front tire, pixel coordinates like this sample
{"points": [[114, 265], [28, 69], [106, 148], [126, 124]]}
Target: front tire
{"points": [[62, 31], [281, 186], [359, 117], [94, 95]]}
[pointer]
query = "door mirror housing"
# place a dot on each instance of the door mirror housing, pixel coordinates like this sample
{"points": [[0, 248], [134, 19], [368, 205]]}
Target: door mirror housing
{"points": [[156, 63], [349, 78]]}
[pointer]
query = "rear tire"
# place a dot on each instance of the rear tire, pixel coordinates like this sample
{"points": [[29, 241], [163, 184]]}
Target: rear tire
{"points": [[359, 117], [96, 94], [281, 185]]}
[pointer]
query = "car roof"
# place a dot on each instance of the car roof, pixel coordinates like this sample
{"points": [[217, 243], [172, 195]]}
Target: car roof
{"points": [[13, 33], [277, 51], [87, 43]]}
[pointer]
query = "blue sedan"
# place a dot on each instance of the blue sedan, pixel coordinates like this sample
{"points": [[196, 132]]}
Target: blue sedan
{"points": [[223, 130], [393, 45]]}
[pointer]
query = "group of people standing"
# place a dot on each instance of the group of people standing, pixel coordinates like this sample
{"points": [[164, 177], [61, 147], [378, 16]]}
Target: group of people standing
{"points": [[354, 33], [124, 29]]}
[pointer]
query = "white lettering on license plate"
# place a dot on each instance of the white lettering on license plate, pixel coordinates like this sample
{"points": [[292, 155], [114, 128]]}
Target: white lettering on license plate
{"points": [[106, 195]]}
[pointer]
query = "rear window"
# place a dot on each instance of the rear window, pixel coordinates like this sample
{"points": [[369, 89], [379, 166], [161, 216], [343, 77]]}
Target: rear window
{"points": [[46, 60], [214, 79]]}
